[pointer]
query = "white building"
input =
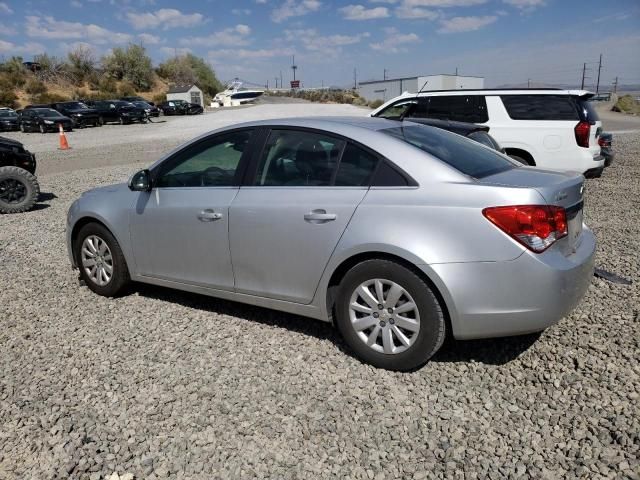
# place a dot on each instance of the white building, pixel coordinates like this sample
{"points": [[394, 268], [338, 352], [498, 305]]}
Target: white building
{"points": [[189, 93], [390, 88]]}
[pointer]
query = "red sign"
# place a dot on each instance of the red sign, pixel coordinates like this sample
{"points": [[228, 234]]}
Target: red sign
{"points": [[295, 83]]}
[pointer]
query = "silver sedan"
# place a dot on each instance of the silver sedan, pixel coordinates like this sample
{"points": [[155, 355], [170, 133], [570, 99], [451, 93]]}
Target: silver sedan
{"points": [[398, 233]]}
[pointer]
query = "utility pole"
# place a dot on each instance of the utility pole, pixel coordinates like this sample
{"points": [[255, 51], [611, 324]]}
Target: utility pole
{"points": [[599, 68], [281, 84], [528, 83], [456, 71], [277, 83], [384, 74], [584, 71], [294, 67], [355, 79], [615, 85]]}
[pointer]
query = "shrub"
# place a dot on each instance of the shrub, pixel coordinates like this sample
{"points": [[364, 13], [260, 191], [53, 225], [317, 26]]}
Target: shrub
{"points": [[82, 64], [159, 98], [126, 89], [35, 87], [14, 72], [50, 97], [375, 103], [190, 69], [7, 95]]}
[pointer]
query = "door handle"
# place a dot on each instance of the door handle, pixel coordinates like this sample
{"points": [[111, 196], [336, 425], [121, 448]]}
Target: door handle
{"points": [[209, 215], [319, 216]]}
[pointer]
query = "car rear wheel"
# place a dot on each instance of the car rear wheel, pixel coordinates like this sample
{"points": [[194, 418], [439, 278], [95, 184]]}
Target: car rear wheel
{"points": [[121, 121], [389, 316], [19, 190], [519, 159], [101, 262], [22, 129], [101, 120]]}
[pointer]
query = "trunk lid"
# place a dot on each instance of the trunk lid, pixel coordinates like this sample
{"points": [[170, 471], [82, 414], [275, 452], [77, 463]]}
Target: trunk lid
{"points": [[564, 189]]}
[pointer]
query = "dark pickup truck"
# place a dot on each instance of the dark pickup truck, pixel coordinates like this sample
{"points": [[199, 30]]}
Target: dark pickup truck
{"points": [[79, 113]]}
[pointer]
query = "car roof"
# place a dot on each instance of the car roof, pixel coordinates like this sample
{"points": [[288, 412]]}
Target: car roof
{"points": [[324, 123], [500, 91]]}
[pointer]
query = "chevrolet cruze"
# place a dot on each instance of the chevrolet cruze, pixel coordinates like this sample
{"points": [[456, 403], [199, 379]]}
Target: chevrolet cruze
{"points": [[398, 233]]}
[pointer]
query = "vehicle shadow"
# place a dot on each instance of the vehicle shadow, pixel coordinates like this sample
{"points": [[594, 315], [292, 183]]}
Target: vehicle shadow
{"points": [[495, 351], [46, 196]]}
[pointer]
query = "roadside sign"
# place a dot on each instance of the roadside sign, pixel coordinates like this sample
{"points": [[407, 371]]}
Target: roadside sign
{"points": [[295, 83]]}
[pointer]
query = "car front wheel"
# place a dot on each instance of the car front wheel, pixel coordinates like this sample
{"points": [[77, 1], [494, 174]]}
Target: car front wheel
{"points": [[102, 265], [389, 316], [19, 190]]}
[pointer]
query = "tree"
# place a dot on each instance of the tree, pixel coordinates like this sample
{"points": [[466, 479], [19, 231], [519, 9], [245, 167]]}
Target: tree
{"points": [[82, 63], [51, 69], [131, 64], [14, 71], [7, 95], [190, 69]]}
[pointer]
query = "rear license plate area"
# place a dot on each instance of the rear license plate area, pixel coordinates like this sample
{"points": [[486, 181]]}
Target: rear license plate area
{"points": [[574, 224]]}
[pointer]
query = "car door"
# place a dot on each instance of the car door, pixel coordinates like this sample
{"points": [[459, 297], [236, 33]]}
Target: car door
{"points": [[179, 230], [285, 225]]}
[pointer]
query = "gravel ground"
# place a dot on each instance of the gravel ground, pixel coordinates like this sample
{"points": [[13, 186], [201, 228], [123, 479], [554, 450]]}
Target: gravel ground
{"points": [[164, 384]]}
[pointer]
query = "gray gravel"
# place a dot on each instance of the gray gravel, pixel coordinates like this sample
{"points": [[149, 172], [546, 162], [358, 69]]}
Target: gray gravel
{"points": [[163, 384]]}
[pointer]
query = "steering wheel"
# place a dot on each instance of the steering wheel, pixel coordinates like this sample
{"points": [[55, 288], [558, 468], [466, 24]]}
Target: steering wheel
{"points": [[213, 175]]}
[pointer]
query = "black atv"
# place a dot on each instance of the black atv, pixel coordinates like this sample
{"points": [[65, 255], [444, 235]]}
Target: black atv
{"points": [[19, 189]]}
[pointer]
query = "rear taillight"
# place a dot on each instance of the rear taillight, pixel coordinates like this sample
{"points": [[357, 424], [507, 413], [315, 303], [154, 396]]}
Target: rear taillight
{"points": [[604, 142], [582, 131], [537, 227]]}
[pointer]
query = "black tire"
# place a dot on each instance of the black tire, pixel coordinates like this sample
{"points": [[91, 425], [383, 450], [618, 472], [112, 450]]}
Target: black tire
{"points": [[121, 121], [22, 129], [19, 190], [101, 120], [120, 278], [519, 159], [431, 334], [42, 128]]}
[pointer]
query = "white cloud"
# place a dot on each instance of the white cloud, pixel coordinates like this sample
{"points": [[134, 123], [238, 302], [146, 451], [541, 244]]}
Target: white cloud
{"points": [[407, 11], [164, 18], [7, 29], [51, 28], [359, 12], [261, 1], [252, 54], [75, 3], [384, 1], [241, 11], [394, 41], [29, 48], [525, 5], [4, 8], [149, 39], [228, 37], [465, 24], [294, 8], [443, 3], [329, 45]]}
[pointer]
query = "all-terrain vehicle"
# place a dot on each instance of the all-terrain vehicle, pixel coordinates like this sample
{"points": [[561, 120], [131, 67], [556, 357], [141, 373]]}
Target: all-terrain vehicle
{"points": [[19, 189]]}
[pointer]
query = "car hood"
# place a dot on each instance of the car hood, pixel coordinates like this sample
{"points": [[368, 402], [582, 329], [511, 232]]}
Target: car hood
{"points": [[9, 142], [108, 189]]}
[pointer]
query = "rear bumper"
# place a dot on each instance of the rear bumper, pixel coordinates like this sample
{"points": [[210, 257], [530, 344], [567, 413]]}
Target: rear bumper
{"points": [[528, 294]]}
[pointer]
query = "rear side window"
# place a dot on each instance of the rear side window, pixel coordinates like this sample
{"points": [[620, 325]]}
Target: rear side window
{"points": [[458, 108], [459, 152], [541, 107], [356, 167], [587, 111]]}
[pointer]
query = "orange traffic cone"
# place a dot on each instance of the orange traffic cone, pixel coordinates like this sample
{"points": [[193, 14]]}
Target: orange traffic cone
{"points": [[64, 145]]}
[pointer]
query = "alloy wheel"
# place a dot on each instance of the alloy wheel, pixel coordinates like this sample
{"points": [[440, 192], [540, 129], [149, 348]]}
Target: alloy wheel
{"points": [[384, 316], [12, 190], [97, 260]]}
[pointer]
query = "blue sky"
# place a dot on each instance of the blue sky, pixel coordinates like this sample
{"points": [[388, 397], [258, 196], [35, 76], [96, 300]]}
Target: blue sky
{"points": [[506, 41]]}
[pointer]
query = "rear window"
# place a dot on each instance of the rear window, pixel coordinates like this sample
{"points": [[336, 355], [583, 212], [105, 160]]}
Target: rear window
{"points": [[587, 111], [459, 152], [541, 107]]}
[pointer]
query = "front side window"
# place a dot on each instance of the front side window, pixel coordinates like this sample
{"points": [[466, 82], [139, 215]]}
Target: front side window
{"points": [[398, 109], [211, 163], [458, 108], [455, 150], [296, 158]]}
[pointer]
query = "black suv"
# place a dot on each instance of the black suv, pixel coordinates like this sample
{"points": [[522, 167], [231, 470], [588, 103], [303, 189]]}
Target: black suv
{"points": [[117, 111], [136, 98], [78, 112], [8, 120], [19, 189], [43, 119], [180, 107]]}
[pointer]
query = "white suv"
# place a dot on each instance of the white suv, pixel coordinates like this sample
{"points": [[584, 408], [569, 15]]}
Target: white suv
{"points": [[549, 128]]}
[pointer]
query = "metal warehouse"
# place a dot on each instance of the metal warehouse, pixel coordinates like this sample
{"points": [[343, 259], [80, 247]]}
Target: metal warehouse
{"points": [[390, 88]]}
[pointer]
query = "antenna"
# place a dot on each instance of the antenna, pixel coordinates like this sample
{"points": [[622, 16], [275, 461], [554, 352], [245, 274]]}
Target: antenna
{"points": [[425, 84]]}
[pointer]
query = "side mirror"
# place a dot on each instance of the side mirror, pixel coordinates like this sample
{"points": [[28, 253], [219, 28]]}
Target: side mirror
{"points": [[140, 181]]}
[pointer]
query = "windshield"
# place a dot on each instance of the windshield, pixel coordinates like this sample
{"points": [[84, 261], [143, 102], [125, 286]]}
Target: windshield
{"points": [[76, 105], [8, 114], [121, 103], [397, 109], [459, 152], [47, 112]]}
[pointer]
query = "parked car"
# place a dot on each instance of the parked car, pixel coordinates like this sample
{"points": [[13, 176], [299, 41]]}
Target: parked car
{"points": [[479, 133], [117, 111], [180, 107], [399, 233], [43, 120], [19, 189], [136, 98], [606, 148], [150, 110], [8, 120], [549, 128], [79, 113]]}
